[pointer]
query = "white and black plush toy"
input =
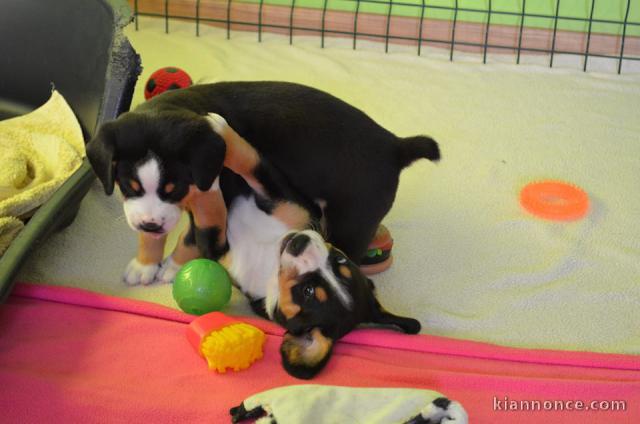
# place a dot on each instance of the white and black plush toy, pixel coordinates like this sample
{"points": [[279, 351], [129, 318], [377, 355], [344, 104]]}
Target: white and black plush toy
{"points": [[338, 405]]}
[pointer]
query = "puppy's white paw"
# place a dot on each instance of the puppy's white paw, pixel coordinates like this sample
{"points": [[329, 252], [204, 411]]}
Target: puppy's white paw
{"points": [[137, 273], [443, 410], [168, 271], [218, 123], [456, 414]]}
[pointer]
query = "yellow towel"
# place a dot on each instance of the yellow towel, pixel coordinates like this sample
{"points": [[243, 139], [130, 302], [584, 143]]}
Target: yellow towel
{"points": [[39, 151]]}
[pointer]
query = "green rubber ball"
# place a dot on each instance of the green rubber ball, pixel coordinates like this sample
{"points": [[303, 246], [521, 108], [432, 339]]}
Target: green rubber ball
{"points": [[201, 286]]}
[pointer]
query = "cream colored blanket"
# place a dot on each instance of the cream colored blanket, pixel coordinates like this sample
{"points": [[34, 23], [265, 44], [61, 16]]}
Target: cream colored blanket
{"points": [[469, 262], [38, 152]]}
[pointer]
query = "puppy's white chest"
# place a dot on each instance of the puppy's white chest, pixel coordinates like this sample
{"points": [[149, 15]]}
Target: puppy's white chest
{"points": [[254, 237]]}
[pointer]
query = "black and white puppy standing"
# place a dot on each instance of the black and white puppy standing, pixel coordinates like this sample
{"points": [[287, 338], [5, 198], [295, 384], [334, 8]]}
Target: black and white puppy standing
{"points": [[331, 153]]}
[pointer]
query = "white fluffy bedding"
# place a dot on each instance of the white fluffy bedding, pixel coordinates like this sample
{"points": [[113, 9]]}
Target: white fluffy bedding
{"points": [[469, 262]]}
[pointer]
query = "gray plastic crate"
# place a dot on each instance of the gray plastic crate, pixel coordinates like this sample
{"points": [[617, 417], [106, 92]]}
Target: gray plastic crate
{"points": [[78, 47]]}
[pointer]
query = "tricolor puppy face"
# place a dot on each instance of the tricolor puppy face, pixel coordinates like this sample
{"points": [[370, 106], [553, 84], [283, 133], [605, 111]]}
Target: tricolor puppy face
{"points": [[314, 282], [322, 296], [154, 160], [152, 193]]}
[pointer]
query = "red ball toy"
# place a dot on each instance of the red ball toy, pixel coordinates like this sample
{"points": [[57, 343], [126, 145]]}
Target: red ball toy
{"points": [[169, 78]]}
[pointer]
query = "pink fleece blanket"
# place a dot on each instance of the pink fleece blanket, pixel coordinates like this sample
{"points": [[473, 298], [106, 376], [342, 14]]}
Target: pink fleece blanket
{"points": [[74, 356]]}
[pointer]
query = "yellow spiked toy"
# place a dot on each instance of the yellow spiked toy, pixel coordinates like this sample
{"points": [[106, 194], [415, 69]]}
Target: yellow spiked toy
{"points": [[225, 342]]}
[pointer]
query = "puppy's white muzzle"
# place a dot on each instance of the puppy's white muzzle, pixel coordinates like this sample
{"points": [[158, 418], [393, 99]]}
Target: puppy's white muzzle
{"points": [[304, 251], [149, 212], [151, 215]]}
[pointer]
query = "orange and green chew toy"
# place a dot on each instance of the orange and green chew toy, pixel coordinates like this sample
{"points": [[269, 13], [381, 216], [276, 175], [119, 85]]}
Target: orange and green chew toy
{"points": [[378, 257], [225, 342]]}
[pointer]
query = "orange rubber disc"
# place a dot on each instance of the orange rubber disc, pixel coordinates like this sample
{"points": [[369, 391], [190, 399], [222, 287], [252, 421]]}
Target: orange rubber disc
{"points": [[555, 200]]}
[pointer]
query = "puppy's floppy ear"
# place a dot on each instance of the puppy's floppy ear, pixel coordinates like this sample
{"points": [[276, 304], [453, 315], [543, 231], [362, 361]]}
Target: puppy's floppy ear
{"points": [[380, 316], [206, 156], [100, 152], [306, 355]]}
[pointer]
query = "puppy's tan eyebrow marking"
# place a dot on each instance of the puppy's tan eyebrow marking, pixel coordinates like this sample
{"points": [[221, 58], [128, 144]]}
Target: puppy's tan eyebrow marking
{"points": [[134, 185], [321, 294], [345, 271], [287, 306]]}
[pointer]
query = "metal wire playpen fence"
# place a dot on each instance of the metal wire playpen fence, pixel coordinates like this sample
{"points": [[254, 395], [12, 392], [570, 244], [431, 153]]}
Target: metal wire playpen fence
{"points": [[608, 29]]}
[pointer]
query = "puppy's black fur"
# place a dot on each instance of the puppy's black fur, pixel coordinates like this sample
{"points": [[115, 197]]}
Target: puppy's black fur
{"points": [[324, 147], [331, 317], [192, 152]]}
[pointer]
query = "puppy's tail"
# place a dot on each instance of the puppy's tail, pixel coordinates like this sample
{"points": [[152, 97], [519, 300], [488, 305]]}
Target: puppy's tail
{"points": [[414, 148]]}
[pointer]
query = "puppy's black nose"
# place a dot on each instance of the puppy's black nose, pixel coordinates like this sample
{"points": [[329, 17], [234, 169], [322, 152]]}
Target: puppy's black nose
{"points": [[297, 244], [297, 326], [150, 227]]}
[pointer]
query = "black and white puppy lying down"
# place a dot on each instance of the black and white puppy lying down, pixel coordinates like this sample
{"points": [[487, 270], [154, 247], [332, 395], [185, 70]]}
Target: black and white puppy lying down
{"points": [[287, 269]]}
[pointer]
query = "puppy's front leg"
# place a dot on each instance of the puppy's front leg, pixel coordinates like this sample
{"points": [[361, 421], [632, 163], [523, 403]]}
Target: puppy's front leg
{"points": [[206, 234], [144, 267], [265, 179], [209, 221]]}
